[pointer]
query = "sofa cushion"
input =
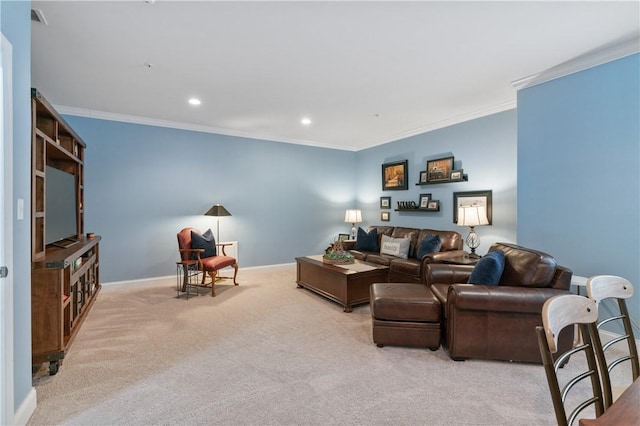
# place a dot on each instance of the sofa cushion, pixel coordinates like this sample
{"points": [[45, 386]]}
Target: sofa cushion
{"points": [[411, 234], [367, 241], [408, 266], [430, 244], [380, 259], [488, 270], [398, 247], [525, 267], [205, 241]]}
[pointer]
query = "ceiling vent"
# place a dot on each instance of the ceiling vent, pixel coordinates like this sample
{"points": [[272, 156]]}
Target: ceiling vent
{"points": [[38, 16]]}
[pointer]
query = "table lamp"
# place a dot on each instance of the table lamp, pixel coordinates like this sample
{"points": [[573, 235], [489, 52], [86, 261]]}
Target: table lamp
{"points": [[353, 216], [472, 216]]}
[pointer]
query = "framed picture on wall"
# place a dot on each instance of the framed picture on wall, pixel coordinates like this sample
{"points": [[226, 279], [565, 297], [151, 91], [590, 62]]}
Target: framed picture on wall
{"points": [[471, 199], [385, 216], [456, 175], [433, 205], [385, 202], [439, 170], [394, 175], [424, 201], [423, 177]]}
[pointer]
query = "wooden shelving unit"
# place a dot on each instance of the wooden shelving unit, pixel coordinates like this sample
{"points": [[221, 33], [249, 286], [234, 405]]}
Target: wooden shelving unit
{"points": [[64, 281]]}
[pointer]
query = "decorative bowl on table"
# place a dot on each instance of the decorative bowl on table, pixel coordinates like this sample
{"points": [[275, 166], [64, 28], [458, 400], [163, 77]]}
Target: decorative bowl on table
{"points": [[336, 255]]}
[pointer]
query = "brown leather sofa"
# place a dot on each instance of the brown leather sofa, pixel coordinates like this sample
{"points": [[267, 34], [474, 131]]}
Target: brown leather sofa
{"points": [[498, 322], [410, 269]]}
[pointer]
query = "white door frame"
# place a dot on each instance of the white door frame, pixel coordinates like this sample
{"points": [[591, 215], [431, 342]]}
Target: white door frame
{"points": [[7, 408]]}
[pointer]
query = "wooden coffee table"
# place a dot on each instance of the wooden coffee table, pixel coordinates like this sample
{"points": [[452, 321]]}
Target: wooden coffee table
{"points": [[347, 285]]}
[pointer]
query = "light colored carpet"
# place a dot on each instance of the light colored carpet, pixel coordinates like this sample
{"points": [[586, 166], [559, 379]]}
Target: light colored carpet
{"points": [[269, 353]]}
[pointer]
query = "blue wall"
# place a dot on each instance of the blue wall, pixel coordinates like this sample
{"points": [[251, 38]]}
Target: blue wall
{"points": [[485, 148], [16, 27], [144, 183], [579, 170]]}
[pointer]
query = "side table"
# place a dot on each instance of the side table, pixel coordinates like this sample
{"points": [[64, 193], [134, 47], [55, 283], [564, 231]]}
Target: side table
{"points": [[462, 260], [577, 281], [187, 274]]}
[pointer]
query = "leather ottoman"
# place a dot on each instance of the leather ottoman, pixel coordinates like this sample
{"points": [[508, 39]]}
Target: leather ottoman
{"points": [[405, 314]]}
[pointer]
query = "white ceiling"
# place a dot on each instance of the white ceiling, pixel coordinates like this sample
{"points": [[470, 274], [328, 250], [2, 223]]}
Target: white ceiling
{"points": [[365, 73]]}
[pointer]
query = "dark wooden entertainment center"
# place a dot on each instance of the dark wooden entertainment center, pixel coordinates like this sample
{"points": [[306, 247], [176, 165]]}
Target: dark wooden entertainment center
{"points": [[64, 274]]}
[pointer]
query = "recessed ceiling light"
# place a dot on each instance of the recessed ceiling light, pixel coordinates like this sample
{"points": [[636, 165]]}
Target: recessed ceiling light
{"points": [[306, 121], [194, 101]]}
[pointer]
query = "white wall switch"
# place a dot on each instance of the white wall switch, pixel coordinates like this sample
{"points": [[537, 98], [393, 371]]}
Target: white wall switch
{"points": [[20, 209]]}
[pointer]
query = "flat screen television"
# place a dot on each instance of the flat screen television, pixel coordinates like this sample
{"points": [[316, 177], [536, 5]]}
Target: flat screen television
{"points": [[61, 222]]}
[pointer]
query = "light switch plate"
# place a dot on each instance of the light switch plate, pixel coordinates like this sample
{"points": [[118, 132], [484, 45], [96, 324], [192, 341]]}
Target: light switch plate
{"points": [[20, 209]]}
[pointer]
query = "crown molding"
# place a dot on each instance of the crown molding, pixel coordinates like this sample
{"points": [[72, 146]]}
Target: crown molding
{"points": [[601, 55], [101, 115], [445, 123]]}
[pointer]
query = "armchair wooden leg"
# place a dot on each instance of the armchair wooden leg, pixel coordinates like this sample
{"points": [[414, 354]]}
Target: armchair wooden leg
{"points": [[213, 275], [235, 273]]}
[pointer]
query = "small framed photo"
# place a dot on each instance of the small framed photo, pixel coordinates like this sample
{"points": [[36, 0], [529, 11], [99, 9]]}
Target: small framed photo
{"points": [[456, 175], [433, 205], [385, 216], [394, 175], [343, 237], [424, 201], [385, 202], [423, 177], [439, 170]]}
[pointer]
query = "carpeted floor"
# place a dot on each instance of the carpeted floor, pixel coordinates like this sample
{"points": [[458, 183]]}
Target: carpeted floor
{"points": [[269, 353]]}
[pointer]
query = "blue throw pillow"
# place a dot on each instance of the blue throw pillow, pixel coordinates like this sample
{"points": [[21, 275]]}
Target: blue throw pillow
{"points": [[367, 242], [205, 241], [488, 270], [430, 244]]}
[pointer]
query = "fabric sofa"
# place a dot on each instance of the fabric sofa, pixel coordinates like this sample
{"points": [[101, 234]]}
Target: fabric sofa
{"points": [[498, 321], [410, 269]]}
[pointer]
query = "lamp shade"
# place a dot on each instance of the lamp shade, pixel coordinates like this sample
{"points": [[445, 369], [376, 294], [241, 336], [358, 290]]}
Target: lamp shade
{"points": [[353, 216], [472, 216], [217, 210]]}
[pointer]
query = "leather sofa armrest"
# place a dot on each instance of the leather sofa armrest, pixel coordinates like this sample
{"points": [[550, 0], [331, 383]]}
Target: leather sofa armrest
{"points": [[442, 273], [450, 254], [499, 298]]}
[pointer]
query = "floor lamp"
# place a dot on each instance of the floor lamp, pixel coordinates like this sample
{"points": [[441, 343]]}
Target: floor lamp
{"points": [[217, 210]]}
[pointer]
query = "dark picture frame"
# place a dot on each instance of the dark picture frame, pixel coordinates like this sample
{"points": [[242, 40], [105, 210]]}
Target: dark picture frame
{"points": [[385, 202], [439, 170], [343, 237], [472, 198], [423, 201], [433, 205], [385, 216], [456, 175], [423, 177], [394, 175]]}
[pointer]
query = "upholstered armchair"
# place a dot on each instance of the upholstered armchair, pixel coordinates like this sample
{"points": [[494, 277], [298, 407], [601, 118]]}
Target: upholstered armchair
{"points": [[499, 321], [210, 261]]}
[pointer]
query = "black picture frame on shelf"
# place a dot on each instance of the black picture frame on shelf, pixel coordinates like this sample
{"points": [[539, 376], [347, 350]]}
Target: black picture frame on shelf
{"points": [[439, 170], [423, 202], [456, 175], [385, 202], [472, 198], [423, 177], [433, 205], [394, 175]]}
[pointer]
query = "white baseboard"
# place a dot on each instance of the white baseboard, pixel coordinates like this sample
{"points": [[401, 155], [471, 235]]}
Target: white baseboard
{"points": [[26, 409], [144, 282]]}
